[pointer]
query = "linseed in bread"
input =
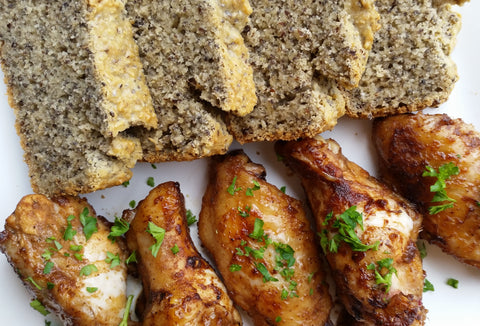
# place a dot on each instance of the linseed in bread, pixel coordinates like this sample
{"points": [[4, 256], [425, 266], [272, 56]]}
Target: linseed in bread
{"points": [[63, 79], [194, 59], [409, 67], [294, 46]]}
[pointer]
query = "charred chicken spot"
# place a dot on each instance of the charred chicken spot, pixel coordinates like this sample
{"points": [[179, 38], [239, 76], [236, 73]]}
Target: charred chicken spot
{"points": [[410, 252], [378, 302], [357, 256], [194, 262], [178, 228], [158, 296]]}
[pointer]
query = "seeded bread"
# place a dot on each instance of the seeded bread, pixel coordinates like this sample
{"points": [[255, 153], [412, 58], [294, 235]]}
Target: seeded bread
{"points": [[294, 46], [194, 59], [409, 67], [73, 91]]}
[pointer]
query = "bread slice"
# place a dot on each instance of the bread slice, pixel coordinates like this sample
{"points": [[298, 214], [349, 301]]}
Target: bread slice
{"points": [[294, 46], [409, 67], [74, 90], [194, 59]]}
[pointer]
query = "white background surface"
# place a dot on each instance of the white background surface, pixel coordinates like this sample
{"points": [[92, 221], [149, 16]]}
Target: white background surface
{"points": [[447, 306]]}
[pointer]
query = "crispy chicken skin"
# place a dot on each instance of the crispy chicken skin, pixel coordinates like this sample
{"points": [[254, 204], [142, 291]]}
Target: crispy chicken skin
{"points": [[227, 229], [334, 184], [34, 237], [406, 144], [179, 288]]}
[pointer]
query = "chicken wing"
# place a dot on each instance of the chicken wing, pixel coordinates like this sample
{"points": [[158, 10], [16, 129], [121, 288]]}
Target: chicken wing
{"points": [[367, 232], [262, 245], [448, 193], [180, 287], [61, 251]]}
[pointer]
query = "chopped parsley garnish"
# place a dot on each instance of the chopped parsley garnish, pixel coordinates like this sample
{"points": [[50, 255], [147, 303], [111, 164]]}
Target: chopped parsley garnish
{"points": [[428, 286], [126, 184], [386, 278], [244, 212], [478, 203], [345, 223], [112, 259], [191, 218], [48, 323], [132, 258], [445, 171], [38, 306], [35, 284], [91, 289], [265, 273], [126, 312], [422, 249], [249, 191], [47, 254], [89, 223], [132, 203], [48, 267], [232, 189], [57, 244], [153, 166], [258, 232], [78, 256], [69, 231], [119, 228], [175, 249], [50, 285], [283, 189], [88, 269], [453, 283], [278, 319], [151, 182], [76, 247], [158, 234], [235, 267]]}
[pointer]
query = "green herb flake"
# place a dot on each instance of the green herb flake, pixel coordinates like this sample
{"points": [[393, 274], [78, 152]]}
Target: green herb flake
{"points": [[232, 189], [76, 248], [283, 189], [444, 172], [89, 223], [35, 284], [153, 166], [386, 277], [235, 267], [428, 286], [69, 231], [78, 256], [126, 312], [191, 218], [50, 285], [126, 184], [48, 323], [151, 182], [311, 291], [112, 259], [158, 234], [132, 203], [278, 319], [453, 283], [38, 306], [88, 269], [119, 228], [422, 249], [265, 273], [249, 191], [132, 258], [91, 289], [48, 267], [175, 249], [47, 254], [478, 203], [244, 212], [57, 244], [258, 232]]}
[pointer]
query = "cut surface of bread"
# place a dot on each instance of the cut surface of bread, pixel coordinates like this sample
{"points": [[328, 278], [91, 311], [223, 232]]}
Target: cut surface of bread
{"points": [[409, 67], [63, 94], [294, 46], [194, 60]]}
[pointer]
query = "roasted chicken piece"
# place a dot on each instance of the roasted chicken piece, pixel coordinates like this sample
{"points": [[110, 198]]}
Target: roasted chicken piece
{"points": [[61, 251], [448, 194], [179, 286], [367, 232], [263, 245]]}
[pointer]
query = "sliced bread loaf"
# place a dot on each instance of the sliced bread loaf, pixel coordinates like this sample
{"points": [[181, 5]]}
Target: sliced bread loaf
{"points": [[293, 47], [73, 89], [409, 67], [194, 59]]}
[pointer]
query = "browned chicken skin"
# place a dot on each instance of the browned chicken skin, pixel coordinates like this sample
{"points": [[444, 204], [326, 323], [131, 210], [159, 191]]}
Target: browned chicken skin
{"points": [[335, 185], [250, 227], [180, 287], [78, 294], [406, 145]]}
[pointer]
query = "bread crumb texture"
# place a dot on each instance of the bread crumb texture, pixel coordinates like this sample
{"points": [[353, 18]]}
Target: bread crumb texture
{"points": [[409, 67], [294, 46], [58, 91], [184, 59]]}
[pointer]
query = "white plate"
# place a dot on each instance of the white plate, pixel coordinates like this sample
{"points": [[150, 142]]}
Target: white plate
{"points": [[446, 305]]}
